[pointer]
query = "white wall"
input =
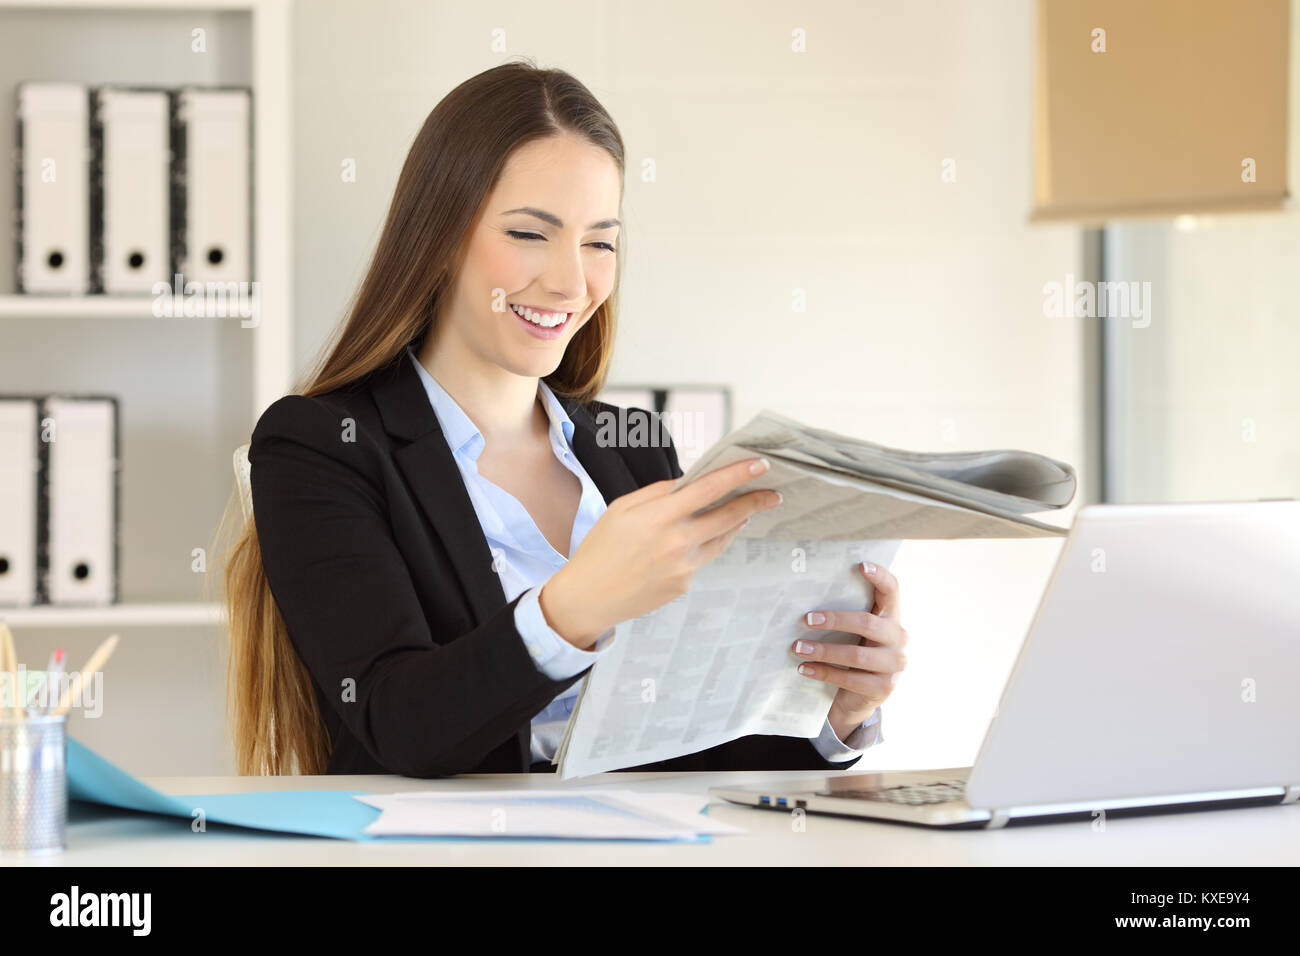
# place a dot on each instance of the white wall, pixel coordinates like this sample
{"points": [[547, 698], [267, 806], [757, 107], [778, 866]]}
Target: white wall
{"points": [[775, 171]]}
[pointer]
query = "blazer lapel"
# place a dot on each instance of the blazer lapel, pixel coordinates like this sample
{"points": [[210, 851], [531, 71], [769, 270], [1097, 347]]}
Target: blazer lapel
{"points": [[605, 466], [430, 469]]}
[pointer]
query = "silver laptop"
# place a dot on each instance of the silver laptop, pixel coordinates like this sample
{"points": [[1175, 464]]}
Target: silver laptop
{"points": [[1161, 672]]}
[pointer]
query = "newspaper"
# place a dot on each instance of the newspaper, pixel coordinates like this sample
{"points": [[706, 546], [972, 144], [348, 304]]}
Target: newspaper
{"points": [[715, 664]]}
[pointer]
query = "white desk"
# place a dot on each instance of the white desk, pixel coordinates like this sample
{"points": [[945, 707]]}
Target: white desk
{"points": [[104, 836]]}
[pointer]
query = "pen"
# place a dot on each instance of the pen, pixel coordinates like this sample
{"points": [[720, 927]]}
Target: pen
{"points": [[47, 684], [60, 658], [93, 665]]}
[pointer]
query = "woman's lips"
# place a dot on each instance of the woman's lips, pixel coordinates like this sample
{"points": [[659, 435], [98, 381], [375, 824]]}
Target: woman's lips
{"points": [[541, 331]]}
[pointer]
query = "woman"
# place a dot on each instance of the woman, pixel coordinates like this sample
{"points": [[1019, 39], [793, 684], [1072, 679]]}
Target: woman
{"points": [[442, 547]]}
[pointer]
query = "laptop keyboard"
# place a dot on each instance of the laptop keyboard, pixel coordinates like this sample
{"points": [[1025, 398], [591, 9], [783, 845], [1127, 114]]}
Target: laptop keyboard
{"points": [[941, 791]]}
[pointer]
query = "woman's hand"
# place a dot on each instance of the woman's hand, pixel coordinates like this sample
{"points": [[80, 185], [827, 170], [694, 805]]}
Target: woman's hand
{"points": [[875, 661], [645, 549]]}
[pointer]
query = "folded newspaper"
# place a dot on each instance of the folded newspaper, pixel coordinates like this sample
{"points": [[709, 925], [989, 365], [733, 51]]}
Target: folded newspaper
{"points": [[715, 664]]}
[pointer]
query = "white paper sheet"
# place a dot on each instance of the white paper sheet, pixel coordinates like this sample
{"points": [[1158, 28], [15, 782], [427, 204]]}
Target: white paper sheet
{"points": [[590, 813]]}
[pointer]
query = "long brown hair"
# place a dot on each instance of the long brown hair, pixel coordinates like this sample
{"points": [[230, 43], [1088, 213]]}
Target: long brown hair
{"points": [[452, 167]]}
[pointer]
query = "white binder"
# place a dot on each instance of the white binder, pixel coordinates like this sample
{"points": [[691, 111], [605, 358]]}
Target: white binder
{"points": [[19, 476], [81, 496], [697, 418], [628, 397], [134, 188], [54, 187], [212, 177]]}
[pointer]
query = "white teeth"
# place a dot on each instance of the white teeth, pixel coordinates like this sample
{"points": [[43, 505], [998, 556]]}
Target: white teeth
{"points": [[547, 320]]}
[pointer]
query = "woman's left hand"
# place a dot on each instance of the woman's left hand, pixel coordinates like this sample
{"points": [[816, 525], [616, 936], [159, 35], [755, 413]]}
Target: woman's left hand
{"points": [[875, 661]]}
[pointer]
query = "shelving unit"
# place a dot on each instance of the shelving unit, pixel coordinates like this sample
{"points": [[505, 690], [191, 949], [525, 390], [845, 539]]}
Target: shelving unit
{"points": [[190, 393]]}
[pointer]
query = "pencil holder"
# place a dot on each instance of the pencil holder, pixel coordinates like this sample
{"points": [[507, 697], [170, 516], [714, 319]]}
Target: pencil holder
{"points": [[33, 785]]}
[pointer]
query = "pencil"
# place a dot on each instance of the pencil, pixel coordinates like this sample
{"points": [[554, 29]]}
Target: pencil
{"points": [[11, 669], [93, 665]]}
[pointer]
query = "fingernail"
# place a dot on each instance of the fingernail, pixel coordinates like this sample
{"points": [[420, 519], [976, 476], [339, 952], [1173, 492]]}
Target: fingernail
{"points": [[869, 568], [803, 647], [760, 466], [774, 501], [815, 617], [806, 670]]}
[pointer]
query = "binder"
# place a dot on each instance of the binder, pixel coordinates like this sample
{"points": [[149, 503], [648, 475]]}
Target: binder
{"points": [[53, 179], [699, 418], [211, 198], [80, 492], [132, 189], [628, 397], [695, 416], [19, 483]]}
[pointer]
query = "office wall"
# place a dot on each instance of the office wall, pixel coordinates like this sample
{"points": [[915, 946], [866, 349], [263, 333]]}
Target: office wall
{"points": [[775, 172]]}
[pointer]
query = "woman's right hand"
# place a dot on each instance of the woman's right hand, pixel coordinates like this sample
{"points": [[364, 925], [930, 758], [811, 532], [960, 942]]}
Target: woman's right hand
{"points": [[645, 549]]}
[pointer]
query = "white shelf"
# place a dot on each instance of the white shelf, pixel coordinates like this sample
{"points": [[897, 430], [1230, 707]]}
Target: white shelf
{"points": [[162, 5], [100, 307], [115, 615]]}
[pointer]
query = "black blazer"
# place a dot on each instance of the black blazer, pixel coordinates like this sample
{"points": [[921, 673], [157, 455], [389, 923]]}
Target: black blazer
{"points": [[384, 579]]}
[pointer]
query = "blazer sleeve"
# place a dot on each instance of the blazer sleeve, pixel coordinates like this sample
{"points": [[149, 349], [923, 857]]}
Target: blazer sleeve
{"points": [[755, 751], [422, 707]]}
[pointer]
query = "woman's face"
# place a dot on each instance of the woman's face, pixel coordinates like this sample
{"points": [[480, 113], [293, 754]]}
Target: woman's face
{"points": [[544, 243]]}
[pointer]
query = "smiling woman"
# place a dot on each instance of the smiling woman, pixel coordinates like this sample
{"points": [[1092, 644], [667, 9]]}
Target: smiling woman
{"points": [[442, 545]]}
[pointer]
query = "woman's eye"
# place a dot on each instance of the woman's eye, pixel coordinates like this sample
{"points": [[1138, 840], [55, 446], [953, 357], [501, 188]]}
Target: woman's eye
{"points": [[517, 234]]}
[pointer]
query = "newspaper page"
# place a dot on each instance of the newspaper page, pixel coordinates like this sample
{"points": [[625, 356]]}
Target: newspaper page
{"points": [[1002, 485], [715, 664]]}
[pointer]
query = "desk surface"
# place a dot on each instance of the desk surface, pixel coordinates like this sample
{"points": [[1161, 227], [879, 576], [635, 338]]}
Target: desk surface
{"points": [[101, 836]]}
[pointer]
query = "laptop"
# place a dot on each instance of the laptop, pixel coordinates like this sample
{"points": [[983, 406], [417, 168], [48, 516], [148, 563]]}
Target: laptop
{"points": [[1161, 672]]}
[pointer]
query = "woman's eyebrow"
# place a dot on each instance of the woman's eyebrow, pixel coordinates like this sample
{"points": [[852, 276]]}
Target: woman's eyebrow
{"points": [[555, 221]]}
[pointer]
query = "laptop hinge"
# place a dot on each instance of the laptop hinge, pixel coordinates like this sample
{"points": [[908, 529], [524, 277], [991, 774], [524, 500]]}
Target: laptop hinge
{"points": [[997, 819], [1292, 794]]}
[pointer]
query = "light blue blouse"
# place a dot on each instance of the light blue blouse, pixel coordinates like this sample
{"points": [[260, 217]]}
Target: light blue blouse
{"points": [[525, 560]]}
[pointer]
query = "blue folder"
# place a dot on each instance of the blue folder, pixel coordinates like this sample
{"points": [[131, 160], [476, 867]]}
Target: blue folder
{"points": [[324, 813]]}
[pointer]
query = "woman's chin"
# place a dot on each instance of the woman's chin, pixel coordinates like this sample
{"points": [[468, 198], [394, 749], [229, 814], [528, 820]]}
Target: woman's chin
{"points": [[534, 366]]}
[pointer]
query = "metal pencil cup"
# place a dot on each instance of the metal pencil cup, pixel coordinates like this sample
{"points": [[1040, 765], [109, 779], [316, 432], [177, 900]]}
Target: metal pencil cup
{"points": [[33, 784]]}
